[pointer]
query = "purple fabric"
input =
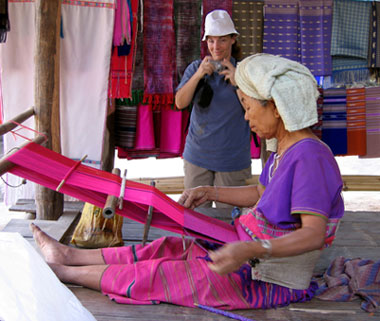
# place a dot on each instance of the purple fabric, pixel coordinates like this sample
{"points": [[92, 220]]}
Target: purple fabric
{"points": [[306, 180]]}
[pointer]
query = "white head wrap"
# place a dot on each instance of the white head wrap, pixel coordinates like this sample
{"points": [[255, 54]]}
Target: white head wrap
{"points": [[290, 84]]}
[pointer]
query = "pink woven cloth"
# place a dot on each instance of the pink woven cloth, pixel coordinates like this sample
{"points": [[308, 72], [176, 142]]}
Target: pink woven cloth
{"points": [[163, 271]]}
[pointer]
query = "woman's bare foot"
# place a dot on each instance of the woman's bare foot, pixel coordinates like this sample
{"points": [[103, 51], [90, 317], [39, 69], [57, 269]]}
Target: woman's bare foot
{"points": [[53, 251]]}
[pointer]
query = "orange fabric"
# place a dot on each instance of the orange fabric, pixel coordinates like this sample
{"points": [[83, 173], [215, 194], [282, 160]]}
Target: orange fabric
{"points": [[356, 122]]}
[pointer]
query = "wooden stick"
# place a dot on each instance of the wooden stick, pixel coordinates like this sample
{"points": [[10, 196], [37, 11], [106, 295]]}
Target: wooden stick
{"points": [[322, 311], [148, 219], [69, 173], [111, 202], [122, 190], [6, 165], [11, 124]]}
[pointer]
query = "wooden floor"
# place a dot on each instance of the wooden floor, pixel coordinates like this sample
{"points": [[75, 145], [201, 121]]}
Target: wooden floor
{"points": [[358, 236]]}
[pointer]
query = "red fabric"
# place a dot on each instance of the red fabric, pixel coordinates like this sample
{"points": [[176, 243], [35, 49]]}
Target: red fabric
{"points": [[356, 122], [121, 70]]}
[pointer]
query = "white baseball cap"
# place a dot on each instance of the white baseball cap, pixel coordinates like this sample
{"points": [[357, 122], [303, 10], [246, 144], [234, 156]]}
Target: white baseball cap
{"points": [[218, 23]]}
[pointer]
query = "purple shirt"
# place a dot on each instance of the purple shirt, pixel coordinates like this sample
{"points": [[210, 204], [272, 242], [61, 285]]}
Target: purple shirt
{"points": [[307, 180]]}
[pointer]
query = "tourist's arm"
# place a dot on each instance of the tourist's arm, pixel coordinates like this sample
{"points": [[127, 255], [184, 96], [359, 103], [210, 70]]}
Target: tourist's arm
{"points": [[242, 196], [308, 238], [185, 94]]}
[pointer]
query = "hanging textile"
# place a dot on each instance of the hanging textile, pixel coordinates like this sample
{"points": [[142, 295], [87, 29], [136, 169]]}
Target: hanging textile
{"points": [[125, 123], [372, 95], [300, 30], [88, 32], [356, 130], [145, 129], [315, 35], [159, 134], [349, 41], [374, 37], [122, 32], [317, 128], [159, 54], [138, 74], [350, 28], [121, 73], [4, 20], [17, 74], [281, 29], [334, 127], [248, 17], [172, 132], [187, 18], [208, 6]]}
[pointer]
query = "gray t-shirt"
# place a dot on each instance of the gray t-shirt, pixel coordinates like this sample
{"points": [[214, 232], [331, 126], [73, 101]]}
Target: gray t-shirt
{"points": [[219, 136]]}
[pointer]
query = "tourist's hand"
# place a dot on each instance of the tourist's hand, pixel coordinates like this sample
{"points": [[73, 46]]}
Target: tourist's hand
{"points": [[229, 258], [229, 72], [205, 68], [193, 197]]}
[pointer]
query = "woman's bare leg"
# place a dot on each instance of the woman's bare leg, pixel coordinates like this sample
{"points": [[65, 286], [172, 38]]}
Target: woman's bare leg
{"points": [[57, 253], [88, 276]]}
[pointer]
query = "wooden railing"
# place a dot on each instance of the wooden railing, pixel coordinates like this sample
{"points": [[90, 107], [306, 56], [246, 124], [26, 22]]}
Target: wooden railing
{"points": [[174, 185]]}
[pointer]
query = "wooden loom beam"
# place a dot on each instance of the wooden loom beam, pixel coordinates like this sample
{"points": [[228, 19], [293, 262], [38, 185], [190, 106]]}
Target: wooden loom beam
{"points": [[12, 124]]}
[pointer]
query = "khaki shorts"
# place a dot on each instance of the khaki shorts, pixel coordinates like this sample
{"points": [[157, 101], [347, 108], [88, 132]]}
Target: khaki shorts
{"points": [[197, 176]]}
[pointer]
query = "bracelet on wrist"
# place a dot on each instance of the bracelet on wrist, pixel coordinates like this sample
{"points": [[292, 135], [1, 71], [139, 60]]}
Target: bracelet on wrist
{"points": [[216, 193], [267, 245]]}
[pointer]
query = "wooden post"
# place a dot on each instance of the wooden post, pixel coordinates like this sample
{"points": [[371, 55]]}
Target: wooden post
{"points": [[49, 204]]}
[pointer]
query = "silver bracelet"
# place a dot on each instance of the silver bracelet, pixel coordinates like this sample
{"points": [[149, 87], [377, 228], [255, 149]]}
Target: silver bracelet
{"points": [[267, 245]]}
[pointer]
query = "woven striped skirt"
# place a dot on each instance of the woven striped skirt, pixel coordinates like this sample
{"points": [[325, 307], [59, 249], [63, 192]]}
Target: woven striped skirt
{"points": [[163, 271]]}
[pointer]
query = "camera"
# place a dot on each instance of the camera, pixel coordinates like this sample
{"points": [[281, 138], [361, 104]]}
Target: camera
{"points": [[218, 67]]}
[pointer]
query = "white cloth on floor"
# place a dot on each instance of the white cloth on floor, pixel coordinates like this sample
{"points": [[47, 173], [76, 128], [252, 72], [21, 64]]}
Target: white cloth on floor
{"points": [[29, 289]]}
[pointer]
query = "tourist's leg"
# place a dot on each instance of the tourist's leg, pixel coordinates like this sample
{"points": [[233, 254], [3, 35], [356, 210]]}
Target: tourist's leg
{"points": [[57, 253], [235, 178], [197, 176], [87, 276]]}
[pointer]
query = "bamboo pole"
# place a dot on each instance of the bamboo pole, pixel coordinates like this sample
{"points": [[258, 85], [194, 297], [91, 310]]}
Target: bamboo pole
{"points": [[11, 124], [49, 204]]}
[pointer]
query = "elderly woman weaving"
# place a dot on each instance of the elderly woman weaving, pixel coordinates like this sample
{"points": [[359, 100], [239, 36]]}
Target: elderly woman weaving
{"points": [[289, 217]]}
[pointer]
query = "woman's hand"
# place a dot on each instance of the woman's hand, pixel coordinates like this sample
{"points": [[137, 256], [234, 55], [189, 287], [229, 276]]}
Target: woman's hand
{"points": [[194, 197], [229, 72], [230, 257], [205, 68]]}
